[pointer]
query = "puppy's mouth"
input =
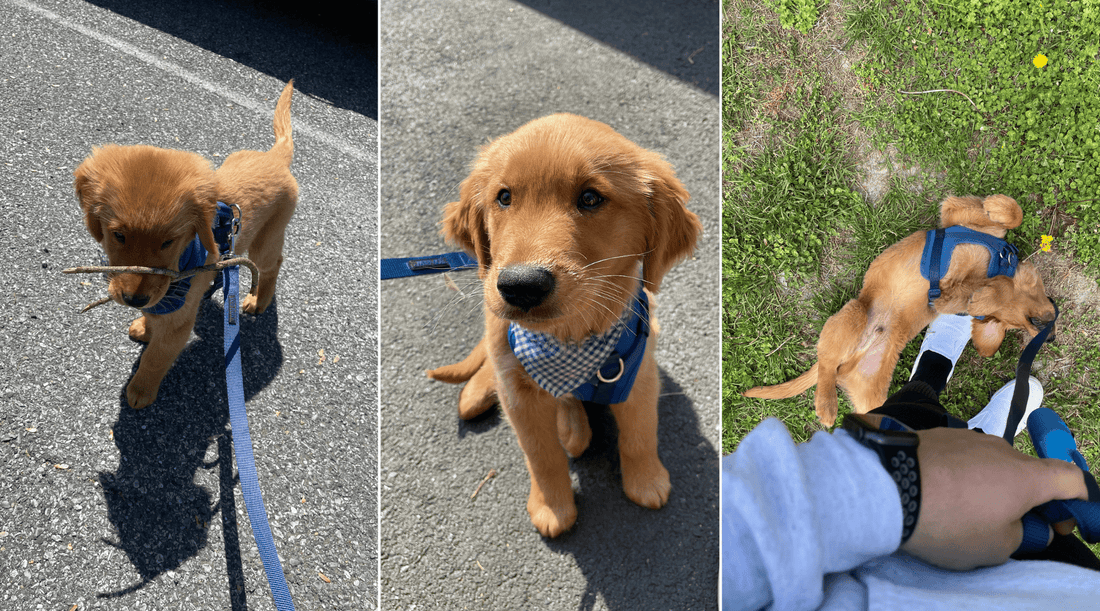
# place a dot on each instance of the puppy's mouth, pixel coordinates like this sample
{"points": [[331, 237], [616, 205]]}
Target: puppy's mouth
{"points": [[1037, 323], [137, 290]]}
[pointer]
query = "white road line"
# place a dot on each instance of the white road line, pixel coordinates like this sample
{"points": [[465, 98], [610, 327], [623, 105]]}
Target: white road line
{"points": [[129, 49]]}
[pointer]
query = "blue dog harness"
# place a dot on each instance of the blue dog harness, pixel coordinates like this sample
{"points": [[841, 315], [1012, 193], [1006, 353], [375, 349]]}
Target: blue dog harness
{"points": [[939, 244], [600, 369], [195, 256]]}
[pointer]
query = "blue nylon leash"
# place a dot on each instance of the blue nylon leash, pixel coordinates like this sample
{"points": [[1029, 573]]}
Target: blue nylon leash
{"points": [[242, 443], [1023, 369], [421, 266], [1052, 439]]}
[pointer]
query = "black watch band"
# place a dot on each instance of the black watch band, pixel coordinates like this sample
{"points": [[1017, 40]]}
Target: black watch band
{"points": [[896, 446], [904, 469]]}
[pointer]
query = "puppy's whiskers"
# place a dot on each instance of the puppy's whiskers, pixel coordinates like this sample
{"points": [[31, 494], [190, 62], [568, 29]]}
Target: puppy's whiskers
{"points": [[470, 293], [626, 256]]}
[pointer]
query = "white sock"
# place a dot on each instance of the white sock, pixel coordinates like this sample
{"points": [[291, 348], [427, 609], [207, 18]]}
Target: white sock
{"points": [[947, 335]]}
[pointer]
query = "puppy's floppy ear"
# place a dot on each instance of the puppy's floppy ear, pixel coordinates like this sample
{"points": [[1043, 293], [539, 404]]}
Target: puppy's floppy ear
{"points": [[464, 221], [205, 209], [673, 230], [206, 237], [990, 297], [988, 334], [87, 185]]}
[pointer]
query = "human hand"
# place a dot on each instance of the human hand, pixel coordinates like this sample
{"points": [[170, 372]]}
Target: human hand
{"points": [[975, 490]]}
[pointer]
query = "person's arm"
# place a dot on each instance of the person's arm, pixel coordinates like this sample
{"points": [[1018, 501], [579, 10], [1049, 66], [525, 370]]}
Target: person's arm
{"points": [[793, 513], [976, 490]]}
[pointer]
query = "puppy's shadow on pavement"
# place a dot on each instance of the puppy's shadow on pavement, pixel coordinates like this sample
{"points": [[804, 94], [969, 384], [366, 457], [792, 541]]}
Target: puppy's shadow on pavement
{"points": [[160, 514], [636, 558]]}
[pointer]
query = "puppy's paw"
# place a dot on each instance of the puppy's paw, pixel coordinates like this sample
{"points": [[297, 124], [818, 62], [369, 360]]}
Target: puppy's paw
{"points": [[825, 404], [1003, 210], [478, 395], [140, 394], [573, 430], [251, 305], [551, 521], [646, 482], [139, 332]]}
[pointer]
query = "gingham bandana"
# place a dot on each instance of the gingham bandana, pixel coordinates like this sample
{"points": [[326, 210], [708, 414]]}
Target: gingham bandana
{"points": [[560, 367]]}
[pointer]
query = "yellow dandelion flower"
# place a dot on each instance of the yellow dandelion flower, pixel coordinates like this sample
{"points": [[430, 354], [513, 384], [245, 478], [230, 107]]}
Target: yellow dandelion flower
{"points": [[1040, 60], [1046, 243]]}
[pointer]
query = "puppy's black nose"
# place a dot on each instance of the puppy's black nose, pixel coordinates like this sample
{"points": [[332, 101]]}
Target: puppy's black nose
{"points": [[524, 286], [136, 301]]}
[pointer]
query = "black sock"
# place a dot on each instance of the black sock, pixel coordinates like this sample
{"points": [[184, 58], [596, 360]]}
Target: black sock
{"points": [[933, 369]]}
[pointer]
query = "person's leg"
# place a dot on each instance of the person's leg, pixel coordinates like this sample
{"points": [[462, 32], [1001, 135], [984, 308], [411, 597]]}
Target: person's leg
{"points": [[944, 341], [917, 403]]}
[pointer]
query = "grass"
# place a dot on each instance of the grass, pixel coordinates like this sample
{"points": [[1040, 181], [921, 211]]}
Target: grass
{"points": [[826, 163]]}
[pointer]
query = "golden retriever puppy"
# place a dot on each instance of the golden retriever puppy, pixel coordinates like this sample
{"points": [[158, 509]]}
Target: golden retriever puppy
{"points": [[859, 345], [145, 205], [569, 221]]}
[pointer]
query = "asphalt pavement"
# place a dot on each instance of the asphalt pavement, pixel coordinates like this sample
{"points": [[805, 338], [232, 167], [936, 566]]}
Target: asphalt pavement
{"points": [[105, 507], [454, 75]]}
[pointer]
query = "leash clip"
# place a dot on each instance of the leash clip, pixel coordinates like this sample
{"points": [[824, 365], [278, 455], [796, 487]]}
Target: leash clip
{"points": [[933, 295], [235, 228]]}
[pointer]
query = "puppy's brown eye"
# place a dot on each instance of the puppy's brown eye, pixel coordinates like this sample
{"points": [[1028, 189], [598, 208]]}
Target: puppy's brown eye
{"points": [[589, 200], [121, 238], [166, 244], [504, 198]]}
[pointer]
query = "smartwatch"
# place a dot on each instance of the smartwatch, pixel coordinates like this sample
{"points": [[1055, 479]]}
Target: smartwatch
{"points": [[896, 446]]}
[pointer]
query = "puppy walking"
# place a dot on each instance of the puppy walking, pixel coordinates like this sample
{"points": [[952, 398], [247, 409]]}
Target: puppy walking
{"points": [[155, 207], [573, 227]]}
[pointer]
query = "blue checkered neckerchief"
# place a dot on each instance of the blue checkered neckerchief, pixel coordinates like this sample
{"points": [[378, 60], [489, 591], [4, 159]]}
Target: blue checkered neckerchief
{"points": [[576, 367], [195, 256]]}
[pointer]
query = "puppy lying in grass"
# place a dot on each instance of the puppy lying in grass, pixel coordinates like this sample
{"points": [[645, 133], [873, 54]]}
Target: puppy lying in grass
{"points": [[859, 345]]}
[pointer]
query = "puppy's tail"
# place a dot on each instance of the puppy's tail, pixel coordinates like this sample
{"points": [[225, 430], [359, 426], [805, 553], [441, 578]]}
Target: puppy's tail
{"points": [[463, 370], [791, 388], [284, 144]]}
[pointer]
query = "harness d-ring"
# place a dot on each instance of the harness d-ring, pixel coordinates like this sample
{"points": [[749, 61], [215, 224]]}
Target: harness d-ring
{"points": [[599, 374]]}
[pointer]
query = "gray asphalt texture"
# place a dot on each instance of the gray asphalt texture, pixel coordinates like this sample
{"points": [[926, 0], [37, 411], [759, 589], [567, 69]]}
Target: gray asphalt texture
{"points": [[454, 75], [105, 507]]}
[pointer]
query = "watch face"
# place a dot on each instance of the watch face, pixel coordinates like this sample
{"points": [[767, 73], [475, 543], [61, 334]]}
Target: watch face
{"points": [[882, 430]]}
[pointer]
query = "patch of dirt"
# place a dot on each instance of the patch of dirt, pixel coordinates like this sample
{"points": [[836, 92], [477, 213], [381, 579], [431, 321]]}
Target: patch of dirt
{"points": [[1071, 280], [791, 60], [825, 55]]}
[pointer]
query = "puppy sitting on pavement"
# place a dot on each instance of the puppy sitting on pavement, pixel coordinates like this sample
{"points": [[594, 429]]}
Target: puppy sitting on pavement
{"points": [[573, 227]]}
